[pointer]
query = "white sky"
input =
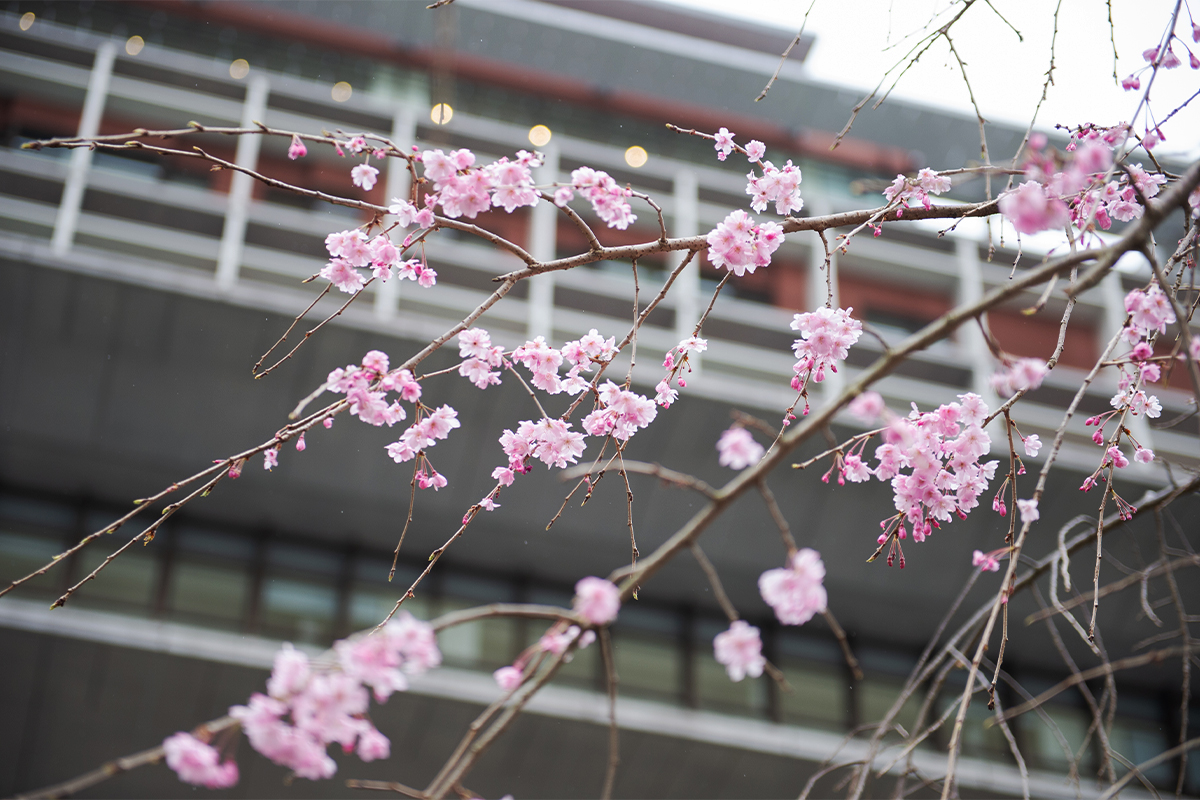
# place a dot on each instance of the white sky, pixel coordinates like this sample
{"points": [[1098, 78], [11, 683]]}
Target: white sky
{"points": [[852, 49]]}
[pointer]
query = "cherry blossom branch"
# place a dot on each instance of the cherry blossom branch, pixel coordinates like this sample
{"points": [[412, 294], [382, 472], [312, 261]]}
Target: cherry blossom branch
{"points": [[785, 532], [310, 332], [295, 322], [787, 52], [664, 474], [714, 580], [790, 225], [844, 643], [117, 766], [147, 535]]}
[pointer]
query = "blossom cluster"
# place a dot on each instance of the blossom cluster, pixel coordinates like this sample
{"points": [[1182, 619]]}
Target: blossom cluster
{"points": [[1019, 375], [1075, 191], [1163, 56], [609, 201], [675, 362], [906, 191], [826, 335], [351, 250], [305, 709], [941, 450], [1150, 313], [740, 245], [596, 600], [463, 190], [775, 185]]}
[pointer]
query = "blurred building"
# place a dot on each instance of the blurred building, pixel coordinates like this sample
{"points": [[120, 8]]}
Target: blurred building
{"points": [[138, 291]]}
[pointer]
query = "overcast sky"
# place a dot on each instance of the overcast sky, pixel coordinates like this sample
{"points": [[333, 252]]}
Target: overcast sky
{"points": [[1006, 74]]}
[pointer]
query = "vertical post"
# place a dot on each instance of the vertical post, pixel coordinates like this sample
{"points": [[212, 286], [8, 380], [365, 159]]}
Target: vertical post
{"points": [[67, 219], [229, 256], [404, 133], [970, 290], [687, 285], [543, 234]]}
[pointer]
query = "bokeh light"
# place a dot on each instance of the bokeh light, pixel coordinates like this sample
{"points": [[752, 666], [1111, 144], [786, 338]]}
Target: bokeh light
{"points": [[134, 45], [239, 69], [636, 156], [441, 113], [341, 92], [27, 20], [539, 135]]}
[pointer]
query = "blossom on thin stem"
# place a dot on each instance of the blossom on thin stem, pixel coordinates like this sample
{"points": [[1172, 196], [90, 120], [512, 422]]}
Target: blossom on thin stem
{"points": [[739, 650], [796, 591]]}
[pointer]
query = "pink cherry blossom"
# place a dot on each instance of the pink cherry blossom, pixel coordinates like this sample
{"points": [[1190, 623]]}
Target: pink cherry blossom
{"points": [[738, 449], [1030, 209], [271, 458], [597, 600], [739, 649], [342, 275], [755, 150], [373, 745], [741, 246], [796, 591], [867, 407], [826, 335], [1143, 455], [297, 149], [723, 143], [507, 678], [1023, 374], [985, 561], [197, 763], [1029, 510], [364, 176]]}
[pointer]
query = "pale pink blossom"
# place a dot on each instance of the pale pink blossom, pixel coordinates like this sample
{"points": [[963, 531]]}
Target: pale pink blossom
{"points": [[1029, 510], [867, 407], [796, 592], [723, 143], [1033, 444], [271, 458], [755, 150], [597, 600], [738, 449], [1023, 374], [985, 561], [198, 763], [1030, 209], [342, 275], [1143, 455], [364, 176], [507, 678], [739, 649], [297, 149], [373, 745]]}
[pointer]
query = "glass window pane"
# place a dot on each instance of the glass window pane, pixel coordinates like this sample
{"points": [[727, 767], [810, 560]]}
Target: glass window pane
{"points": [[875, 698], [128, 580], [818, 697], [718, 692], [300, 611], [21, 554], [209, 591], [648, 667]]}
